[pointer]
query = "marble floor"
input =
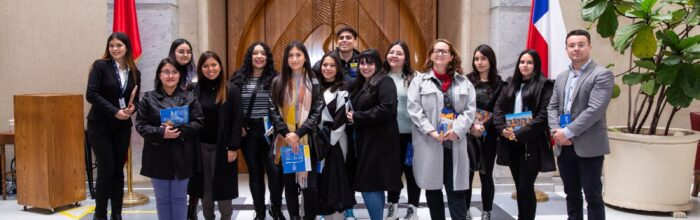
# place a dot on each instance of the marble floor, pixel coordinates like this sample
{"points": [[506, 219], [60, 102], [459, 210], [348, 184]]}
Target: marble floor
{"points": [[504, 207]]}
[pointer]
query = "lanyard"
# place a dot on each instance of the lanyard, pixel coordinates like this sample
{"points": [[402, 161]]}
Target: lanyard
{"points": [[569, 93]]}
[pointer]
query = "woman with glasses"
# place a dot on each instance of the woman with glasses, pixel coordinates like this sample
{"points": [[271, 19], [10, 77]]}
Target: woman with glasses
{"points": [[111, 82], [441, 104], [525, 148], [169, 146], [181, 51], [374, 100]]}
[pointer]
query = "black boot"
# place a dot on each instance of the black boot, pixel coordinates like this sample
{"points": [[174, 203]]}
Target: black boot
{"points": [[95, 217], [116, 217], [192, 211], [276, 213], [259, 215]]}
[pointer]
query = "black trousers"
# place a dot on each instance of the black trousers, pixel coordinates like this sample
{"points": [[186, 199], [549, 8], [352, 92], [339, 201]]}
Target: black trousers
{"points": [[487, 185], [411, 186], [456, 201], [524, 183], [582, 173], [310, 193], [110, 146], [259, 157]]}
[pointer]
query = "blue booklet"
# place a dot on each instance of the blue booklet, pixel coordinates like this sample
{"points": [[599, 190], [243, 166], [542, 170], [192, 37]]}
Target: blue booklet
{"points": [[268, 129], [295, 162], [175, 116], [518, 120]]}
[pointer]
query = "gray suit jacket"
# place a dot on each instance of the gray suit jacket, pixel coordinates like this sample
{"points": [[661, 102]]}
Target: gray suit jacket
{"points": [[591, 97]]}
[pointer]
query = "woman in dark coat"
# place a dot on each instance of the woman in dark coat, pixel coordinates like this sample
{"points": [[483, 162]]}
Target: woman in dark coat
{"points": [[219, 140], [525, 150], [110, 84], [168, 149], [374, 101]]}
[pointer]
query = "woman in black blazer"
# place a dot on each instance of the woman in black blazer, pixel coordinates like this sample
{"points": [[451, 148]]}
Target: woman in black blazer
{"points": [[110, 84], [218, 141]]}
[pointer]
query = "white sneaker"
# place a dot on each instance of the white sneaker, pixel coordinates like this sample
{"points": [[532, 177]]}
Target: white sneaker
{"points": [[411, 213], [392, 213]]}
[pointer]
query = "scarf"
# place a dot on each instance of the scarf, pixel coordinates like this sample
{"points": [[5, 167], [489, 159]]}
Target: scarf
{"points": [[445, 79]]}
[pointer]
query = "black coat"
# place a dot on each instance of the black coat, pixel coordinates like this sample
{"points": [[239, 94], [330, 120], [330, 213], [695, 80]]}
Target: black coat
{"points": [[103, 92], [535, 136], [228, 137], [168, 158], [377, 136], [479, 146]]}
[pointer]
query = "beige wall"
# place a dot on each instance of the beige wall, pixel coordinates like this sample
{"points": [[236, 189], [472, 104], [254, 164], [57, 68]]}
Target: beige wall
{"points": [[44, 49]]}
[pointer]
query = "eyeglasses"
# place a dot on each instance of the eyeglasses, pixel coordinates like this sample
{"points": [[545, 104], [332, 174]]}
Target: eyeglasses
{"points": [[169, 73], [441, 52]]}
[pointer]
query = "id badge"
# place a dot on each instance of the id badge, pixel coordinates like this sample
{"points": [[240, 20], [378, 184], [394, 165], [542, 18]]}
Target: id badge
{"points": [[122, 103], [564, 120]]}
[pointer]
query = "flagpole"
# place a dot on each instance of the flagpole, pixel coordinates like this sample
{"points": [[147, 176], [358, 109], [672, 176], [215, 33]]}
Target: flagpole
{"points": [[131, 198]]}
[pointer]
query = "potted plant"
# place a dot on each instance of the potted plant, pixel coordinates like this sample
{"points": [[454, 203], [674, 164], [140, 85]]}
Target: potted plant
{"points": [[650, 166]]}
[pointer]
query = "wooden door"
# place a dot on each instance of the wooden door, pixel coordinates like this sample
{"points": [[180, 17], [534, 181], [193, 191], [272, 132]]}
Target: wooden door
{"points": [[314, 22]]}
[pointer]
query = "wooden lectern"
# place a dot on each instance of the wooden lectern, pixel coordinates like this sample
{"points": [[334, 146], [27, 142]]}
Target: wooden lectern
{"points": [[49, 139]]}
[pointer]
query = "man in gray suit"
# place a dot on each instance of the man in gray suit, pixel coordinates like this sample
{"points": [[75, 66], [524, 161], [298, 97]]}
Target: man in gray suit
{"points": [[576, 115]]}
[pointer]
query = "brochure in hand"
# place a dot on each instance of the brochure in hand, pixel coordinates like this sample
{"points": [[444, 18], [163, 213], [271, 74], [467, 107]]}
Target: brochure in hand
{"points": [[518, 120], [296, 162], [175, 116]]}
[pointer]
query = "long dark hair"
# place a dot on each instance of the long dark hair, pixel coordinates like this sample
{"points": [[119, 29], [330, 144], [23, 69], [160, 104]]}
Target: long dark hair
{"points": [[339, 80], [407, 72], [222, 78], [243, 74], [128, 56], [517, 79], [455, 66], [493, 76], [281, 81], [184, 69], [370, 56], [158, 84]]}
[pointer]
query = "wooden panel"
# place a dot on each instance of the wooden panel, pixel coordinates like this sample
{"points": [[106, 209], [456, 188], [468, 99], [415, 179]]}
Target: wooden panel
{"points": [[238, 20], [49, 150], [411, 34]]}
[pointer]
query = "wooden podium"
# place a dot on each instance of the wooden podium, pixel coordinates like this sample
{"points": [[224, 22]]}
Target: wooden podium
{"points": [[49, 139]]}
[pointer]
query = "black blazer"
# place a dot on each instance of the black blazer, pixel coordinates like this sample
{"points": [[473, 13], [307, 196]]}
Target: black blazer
{"points": [[103, 92], [228, 137]]}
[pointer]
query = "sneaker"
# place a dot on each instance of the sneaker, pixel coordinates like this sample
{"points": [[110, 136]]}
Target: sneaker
{"points": [[392, 212], [411, 213], [486, 215], [349, 215], [469, 215]]}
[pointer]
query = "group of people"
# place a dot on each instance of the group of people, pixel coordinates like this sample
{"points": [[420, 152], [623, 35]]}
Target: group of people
{"points": [[365, 119]]}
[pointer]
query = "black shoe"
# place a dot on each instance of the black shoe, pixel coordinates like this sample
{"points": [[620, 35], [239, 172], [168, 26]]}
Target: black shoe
{"points": [[276, 213], [95, 217], [295, 218], [192, 212], [259, 215], [116, 217]]}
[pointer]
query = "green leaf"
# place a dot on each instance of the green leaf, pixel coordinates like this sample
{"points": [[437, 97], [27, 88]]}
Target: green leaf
{"points": [[647, 5], [650, 87], [592, 10], [624, 6], [624, 35], [644, 45], [692, 49], [666, 74], [607, 23], [672, 60], [676, 96], [616, 91], [662, 17], [690, 41], [631, 79], [646, 64], [691, 81], [693, 19], [670, 38], [678, 16], [636, 13]]}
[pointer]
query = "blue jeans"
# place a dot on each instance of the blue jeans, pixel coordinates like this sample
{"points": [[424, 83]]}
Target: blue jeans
{"points": [[375, 204], [171, 198]]}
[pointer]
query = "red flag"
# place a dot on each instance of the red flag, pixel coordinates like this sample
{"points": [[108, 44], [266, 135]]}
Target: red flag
{"points": [[125, 21]]}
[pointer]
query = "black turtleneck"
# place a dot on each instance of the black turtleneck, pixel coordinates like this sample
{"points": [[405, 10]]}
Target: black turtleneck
{"points": [[207, 98]]}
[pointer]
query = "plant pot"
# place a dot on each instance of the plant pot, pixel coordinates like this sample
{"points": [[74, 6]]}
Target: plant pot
{"points": [[650, 173]]}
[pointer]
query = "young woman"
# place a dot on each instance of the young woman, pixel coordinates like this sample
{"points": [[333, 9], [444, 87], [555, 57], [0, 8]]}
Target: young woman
{"points": [[335, 191], [525, 150], [111, 82], [181, 51], [168, 150], [219, 140], [400, 71], [483, 135], [441, 104], [295, 111], [254, 79], [374, 101]]}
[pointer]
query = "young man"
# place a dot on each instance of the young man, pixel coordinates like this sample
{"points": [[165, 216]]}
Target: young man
{"points": [[345, 47], [576, 115]]}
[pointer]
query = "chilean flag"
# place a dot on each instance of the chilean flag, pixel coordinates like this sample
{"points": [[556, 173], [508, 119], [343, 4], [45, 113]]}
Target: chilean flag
{"points": [[125, 21], [547, 35]]}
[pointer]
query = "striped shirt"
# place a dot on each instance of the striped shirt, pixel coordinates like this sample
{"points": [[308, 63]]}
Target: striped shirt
{"points": [[260, 105]]}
